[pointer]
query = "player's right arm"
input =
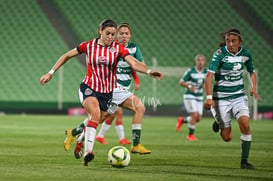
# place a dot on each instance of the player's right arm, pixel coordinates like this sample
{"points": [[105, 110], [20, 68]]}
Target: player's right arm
{"points": [[60, 62], [208, 84]]}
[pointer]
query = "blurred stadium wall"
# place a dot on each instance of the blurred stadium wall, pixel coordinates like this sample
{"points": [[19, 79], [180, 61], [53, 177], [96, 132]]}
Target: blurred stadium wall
{"points": [[34, 34]]}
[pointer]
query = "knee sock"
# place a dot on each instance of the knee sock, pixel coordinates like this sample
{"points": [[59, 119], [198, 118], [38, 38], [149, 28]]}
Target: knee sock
{"points": [[245, 146], [90, 134], [136, 130], [191, 129], [120, 129], [80, 128]]}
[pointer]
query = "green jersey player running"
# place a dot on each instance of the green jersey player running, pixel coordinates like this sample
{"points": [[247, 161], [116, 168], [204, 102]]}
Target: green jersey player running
{"points": [[228, 98], [193, 81]]}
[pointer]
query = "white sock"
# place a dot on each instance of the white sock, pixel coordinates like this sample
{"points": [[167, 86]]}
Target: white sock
{"points": [[90, 134], [104, 128], [120, 131]]}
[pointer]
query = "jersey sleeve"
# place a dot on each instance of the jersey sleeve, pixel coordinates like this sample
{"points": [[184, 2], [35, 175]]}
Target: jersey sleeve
{"points": [[123, 52], [215, 61], [249, 63], [82, 48], [186, 76], [138, 54]]}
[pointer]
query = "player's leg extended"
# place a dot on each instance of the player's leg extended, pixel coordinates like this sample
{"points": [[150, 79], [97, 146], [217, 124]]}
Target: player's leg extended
{"points": [[91, 105], [72, 133], [134, 104]]}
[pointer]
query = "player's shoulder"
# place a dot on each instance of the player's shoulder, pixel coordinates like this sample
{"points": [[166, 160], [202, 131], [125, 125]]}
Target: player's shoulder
{"points": [[189, 70], [245, 51], [219, 53], [132, 44]]}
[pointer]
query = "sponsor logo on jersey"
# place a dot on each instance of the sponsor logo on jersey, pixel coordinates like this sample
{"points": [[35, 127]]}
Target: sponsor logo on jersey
{"points": [[102, 60], [237, 66]]}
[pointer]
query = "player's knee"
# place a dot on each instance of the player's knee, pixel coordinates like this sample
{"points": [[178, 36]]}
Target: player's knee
{"points": [[141, 108]]}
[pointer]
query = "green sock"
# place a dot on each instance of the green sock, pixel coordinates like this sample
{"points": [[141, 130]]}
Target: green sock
{"points": [[136, 136], [245, 146], [191, 128], [78, 130], [191, 131]]}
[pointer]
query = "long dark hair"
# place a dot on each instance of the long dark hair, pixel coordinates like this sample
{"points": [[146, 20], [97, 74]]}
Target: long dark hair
{"points": [[233, 31]]}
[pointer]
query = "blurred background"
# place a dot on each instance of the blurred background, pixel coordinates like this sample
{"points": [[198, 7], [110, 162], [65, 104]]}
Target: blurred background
{"points": [[35, 33]]}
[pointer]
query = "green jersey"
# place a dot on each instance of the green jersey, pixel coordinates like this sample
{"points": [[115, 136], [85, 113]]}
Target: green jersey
{"points": [[194, 78], [228, 69], [124, 71]]}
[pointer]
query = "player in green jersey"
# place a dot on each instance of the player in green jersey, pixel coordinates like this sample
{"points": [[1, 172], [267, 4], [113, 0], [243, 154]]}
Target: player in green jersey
{"points": [[118, 115], [228, 98], [193, 81]]}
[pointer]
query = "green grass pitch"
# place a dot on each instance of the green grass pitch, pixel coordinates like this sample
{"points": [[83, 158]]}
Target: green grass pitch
{"points": [[31, 148]]}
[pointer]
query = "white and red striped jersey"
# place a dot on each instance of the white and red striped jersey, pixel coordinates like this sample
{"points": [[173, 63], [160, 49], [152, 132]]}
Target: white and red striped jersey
{"points": [[101, 64]]}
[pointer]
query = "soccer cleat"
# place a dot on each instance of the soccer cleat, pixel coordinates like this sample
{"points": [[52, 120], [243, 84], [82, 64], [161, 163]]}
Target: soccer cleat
{"points": [[215, 127], [246, 165], [140, 149], [69, 139], [78, 150], [179, 123], [88, 158], [101, 140], [124, 141], [191, 137]]}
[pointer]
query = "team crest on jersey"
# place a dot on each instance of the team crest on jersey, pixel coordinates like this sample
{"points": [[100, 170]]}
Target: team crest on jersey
{"points": [[88, 92], [112, 49]]}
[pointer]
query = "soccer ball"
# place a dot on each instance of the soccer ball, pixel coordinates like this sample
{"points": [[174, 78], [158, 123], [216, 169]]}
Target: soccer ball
{"points": [[119, 156]]}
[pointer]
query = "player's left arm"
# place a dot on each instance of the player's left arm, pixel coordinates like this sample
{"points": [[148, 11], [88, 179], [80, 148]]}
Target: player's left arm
{"points": [[253, 90]]}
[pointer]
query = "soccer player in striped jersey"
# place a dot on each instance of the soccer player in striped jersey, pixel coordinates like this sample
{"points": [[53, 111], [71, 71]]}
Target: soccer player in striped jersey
{"points": [[228, 97], [193, 81], [121, 97], [122, 94], [96, 89]]}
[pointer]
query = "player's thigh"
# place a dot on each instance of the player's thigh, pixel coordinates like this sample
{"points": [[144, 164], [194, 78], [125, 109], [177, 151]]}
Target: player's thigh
{"points": [[133, 103], [224, 112], [190, 105], [120, 95], [240, 107]]}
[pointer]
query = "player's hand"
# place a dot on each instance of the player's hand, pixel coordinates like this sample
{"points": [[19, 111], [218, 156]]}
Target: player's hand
{"points": [[45, 78], [192, 89], [254, 93], [156, 74], [209, 103]]}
